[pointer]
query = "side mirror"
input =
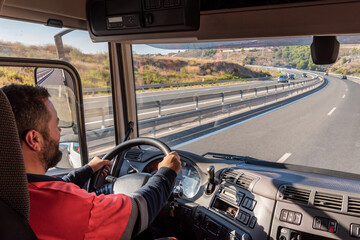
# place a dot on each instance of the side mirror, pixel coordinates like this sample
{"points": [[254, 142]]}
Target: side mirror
{"points": [[59, 84], [324, 49]]}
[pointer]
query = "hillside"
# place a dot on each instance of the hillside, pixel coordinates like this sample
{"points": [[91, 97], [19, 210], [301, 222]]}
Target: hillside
{"points": [[280, 56], [161, 69], [94, 68], [192, 65]]}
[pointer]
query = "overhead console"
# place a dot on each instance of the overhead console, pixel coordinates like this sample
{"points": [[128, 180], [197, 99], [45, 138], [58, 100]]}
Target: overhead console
{"points": [[181, 21], [119, 17]]}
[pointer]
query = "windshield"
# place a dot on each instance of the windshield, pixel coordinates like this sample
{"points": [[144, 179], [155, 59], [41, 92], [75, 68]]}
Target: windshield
{"points": [[264, 99]]}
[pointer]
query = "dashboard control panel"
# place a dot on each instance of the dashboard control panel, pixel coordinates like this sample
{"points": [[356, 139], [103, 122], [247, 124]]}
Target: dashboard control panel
{"points": [[290, 216], [235, 204]]}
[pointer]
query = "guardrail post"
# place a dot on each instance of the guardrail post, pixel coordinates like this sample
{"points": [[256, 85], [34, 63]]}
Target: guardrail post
{"points": [[241, 95], [256, 92], [199, 119], [222, 98], [103, 118], [267, 90], [153, 129], [249, 105], [229, 111], [159, 105], [197, 102], [283, 87], [275, 88]]}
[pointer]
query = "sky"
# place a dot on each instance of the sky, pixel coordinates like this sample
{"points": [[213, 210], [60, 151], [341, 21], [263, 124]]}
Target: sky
{"points": [[37, 34]]}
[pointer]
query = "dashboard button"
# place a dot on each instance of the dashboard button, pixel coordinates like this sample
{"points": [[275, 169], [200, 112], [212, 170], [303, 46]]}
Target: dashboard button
{"points": [[283, 215], [252, 222], [298, 217], [246, 219], [245, 202], [355, 230], [239, 197], [317, 223], [291, 217]]}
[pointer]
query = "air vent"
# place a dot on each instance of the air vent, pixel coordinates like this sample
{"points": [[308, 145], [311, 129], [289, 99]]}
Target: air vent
{"points": [[328, 201], [133, 155], [354, 205], [231, 175], [296, 195], [244, 181], [239, 178]]}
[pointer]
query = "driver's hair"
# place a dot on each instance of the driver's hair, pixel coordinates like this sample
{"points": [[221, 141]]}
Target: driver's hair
{"points": [[28, 106]]}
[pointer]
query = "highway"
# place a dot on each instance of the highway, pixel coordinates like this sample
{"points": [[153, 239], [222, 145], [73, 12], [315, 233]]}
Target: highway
{"points": [[102, 103], [321, 130]]}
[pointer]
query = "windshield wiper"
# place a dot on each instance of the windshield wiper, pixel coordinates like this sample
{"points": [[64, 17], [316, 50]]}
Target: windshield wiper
{"points": [[229, 157]]}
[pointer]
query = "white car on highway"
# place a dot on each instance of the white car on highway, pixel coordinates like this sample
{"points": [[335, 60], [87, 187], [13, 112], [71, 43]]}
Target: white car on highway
{"points": [[283, 78]]}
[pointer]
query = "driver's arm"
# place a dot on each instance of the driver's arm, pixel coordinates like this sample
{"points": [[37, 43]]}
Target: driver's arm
{"points": [[81, 176], [152, 197]]}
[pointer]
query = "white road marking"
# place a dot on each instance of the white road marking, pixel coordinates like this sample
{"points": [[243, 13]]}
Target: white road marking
{"points": [[332, 110], [344, 96], [284, 157]]}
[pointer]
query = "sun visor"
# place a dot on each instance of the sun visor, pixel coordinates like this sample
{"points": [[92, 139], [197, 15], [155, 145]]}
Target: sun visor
{"points": [[324, 49], [124, 17]]}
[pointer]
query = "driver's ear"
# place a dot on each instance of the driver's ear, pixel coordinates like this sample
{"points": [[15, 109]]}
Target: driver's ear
{"points": [[33, 140]]}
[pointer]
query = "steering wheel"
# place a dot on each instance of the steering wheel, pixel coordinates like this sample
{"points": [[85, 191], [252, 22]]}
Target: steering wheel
{"points": [[128, 183]]}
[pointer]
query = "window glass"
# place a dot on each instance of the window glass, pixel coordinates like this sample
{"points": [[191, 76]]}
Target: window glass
{"points": [[17, 39], [263, 99]]}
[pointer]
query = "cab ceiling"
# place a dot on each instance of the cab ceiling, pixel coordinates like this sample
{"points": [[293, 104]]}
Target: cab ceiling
{"points": [[328, 17]]}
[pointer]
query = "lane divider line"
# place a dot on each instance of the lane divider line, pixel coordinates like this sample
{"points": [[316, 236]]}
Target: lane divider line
{"points": [[284, 157], [332, 110]]}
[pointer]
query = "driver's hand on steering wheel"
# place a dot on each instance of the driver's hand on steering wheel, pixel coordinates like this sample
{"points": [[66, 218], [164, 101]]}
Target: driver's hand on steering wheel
{"points": [[172, 161], [97, 163]]}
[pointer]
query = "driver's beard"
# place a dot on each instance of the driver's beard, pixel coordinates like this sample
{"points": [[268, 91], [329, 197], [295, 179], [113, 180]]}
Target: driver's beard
{"points": [[51, 155]]}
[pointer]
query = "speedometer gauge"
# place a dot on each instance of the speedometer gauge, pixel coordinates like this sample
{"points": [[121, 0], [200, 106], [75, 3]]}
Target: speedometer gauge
{"points": [[189, 180]]}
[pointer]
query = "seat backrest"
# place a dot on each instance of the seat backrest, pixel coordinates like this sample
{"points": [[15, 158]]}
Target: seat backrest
{"points": [[14, 193]]}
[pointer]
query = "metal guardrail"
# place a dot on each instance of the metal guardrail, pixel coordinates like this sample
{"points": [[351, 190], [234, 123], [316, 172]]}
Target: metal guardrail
{"points": [[196, 114], [170, 85], [223, 95], [160, 123]]}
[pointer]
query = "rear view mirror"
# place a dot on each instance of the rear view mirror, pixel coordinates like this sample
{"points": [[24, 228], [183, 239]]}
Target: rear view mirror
{"points": [[324, 49]]}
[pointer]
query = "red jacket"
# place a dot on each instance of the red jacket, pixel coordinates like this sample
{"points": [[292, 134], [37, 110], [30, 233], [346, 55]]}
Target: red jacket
{"points": [[81, 215]]}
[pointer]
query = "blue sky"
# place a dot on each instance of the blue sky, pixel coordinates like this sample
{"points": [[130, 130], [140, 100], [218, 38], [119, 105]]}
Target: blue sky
{"points": [[37, 34]]}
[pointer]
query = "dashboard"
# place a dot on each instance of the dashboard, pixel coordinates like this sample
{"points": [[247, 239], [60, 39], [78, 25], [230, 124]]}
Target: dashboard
{"points": [[252, 199]]}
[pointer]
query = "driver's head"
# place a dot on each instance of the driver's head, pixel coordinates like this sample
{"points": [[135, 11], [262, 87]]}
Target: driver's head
{"points": [[36, 120]]}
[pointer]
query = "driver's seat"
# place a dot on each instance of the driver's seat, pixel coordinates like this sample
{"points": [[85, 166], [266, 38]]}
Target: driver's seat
{"points": [[14, 194]]}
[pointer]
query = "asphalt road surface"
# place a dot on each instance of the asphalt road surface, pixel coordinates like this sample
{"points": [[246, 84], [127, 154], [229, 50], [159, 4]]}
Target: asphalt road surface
{"points": [[321, 130]]}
